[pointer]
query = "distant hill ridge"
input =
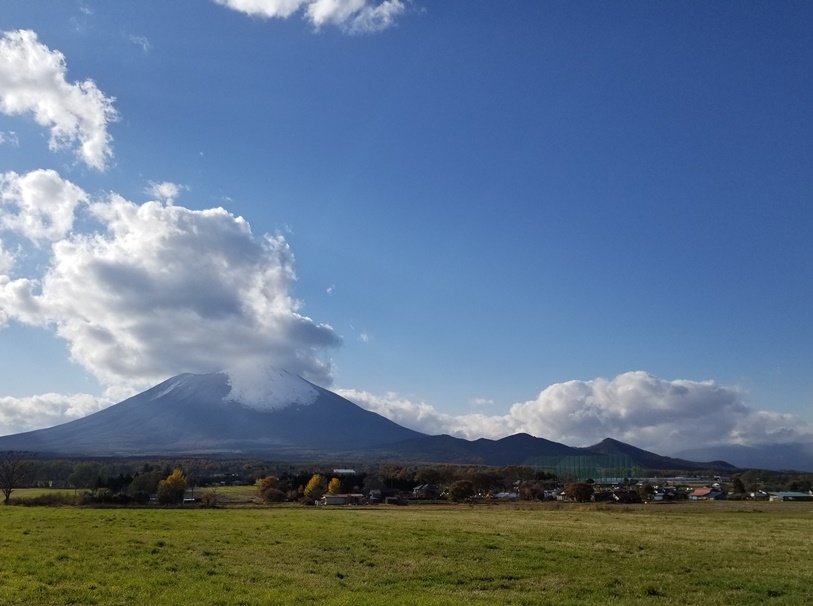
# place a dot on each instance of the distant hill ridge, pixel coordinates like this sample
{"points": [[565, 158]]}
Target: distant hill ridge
{"points": [[292, 419]]}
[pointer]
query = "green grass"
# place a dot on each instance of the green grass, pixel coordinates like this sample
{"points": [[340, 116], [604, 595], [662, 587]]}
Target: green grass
{"points": [[694, 554], [232, 495], [28, 493]]}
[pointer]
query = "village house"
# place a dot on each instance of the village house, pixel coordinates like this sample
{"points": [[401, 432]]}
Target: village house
{"points": [[707, 493], [426, 491]]}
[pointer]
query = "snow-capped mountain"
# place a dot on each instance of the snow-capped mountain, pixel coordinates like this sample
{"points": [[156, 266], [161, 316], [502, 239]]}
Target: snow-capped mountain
{"points": [[273, 413], [217, 413]]}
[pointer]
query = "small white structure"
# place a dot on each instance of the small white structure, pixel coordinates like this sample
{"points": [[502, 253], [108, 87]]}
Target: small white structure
{"points": [[341, 499]]}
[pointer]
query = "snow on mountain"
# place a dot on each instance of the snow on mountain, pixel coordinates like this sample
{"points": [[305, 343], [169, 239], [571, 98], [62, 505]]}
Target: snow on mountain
{"points": [[169, 386], [248, 411], [269, 388]]}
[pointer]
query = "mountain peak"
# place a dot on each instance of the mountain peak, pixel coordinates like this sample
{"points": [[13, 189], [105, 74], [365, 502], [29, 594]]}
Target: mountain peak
{"points": [[269, 388], [273, 411]]}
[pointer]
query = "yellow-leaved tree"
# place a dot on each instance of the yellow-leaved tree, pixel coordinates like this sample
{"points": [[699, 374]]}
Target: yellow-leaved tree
{"points": [[171, 490], [315, 487], [335, 486]]}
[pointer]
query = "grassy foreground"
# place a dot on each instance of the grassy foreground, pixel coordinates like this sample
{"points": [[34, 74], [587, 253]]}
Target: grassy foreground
{"points": [[408, 555]]}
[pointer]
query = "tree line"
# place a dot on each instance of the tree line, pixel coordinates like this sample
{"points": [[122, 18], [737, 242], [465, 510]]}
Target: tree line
{"points": [[139, 480]]}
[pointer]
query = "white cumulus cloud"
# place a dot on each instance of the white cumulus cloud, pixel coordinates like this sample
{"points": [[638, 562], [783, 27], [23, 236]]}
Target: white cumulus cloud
{"points": [[33, 81], [38, 205], [160, 289], [419, 416], [352, 16], [665, 416]]}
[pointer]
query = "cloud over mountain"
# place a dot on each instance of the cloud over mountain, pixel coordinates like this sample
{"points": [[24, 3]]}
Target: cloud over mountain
{"points": [[634, 407], [158, 289], [33, 81], [46, 410], [352, 16]]}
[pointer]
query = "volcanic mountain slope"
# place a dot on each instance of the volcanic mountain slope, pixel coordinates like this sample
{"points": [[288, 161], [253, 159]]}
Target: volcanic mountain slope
{"points": [[197, 414], [511, 450], [650, 460], [524, 449]]}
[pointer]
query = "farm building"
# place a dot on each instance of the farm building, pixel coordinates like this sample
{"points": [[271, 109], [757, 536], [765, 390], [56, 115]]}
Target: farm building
{"points": [[342, 499]]}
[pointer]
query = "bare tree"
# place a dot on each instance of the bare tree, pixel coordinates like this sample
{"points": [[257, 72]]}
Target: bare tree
{"points": [[14, 469]]}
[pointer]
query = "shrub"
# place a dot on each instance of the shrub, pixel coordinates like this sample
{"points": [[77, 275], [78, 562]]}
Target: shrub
{"points": [[646, 491], [272, 495], [579, 491], [460, 490], [268, 490], [56, 499], [209, 498]]}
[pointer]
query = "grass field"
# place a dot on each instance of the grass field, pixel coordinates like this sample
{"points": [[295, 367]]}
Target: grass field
{"points": [[708, 553]]}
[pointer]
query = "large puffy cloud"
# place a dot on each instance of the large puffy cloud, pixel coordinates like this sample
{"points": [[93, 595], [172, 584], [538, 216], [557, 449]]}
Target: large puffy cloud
{"points": [[635, 407], [32, 80], [38, 205], [419, 416], [353, 16], [161, 289]]}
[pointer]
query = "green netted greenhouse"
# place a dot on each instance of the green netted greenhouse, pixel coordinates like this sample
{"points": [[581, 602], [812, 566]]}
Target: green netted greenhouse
{"points": [[583, 467]]}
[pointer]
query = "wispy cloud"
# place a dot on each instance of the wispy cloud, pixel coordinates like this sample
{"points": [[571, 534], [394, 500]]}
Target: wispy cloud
{"points": [[657, 414], [166, 191], [33, 81], [351, 16], [9, 138], [142, 42]]}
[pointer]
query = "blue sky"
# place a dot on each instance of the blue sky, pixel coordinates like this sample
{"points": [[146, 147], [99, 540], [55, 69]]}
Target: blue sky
{"points": [[574, 219]]}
